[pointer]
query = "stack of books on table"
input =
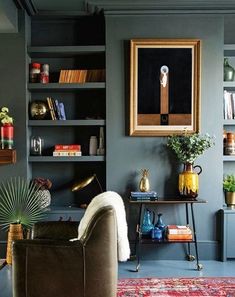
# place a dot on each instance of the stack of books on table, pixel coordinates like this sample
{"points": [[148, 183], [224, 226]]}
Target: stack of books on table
{"points": [[144, 196], [67, 150], [178, 232]]}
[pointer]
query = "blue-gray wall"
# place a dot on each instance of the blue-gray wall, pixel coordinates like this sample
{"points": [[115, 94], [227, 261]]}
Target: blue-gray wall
{"points": [[127, 155]]}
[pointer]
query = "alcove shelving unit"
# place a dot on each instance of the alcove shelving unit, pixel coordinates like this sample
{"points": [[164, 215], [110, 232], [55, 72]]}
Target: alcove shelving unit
{"points": [[227, 214], [229, 125], [68, 42]]}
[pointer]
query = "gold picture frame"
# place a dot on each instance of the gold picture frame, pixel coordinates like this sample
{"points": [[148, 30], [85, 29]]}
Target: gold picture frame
{"points": [[164, 86]]}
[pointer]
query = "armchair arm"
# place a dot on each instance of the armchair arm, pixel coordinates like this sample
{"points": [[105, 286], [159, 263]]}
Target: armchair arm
{"points": [[48, 268], [62, 230]]}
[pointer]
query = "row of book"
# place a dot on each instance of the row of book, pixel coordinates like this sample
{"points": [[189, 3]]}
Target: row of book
{"points": [[82, 76], [67, 150], [178, 232], [56, 108], [144, 196], [229, 105]]}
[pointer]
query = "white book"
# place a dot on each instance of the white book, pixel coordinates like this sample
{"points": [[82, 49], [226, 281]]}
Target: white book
{"points": [[233, 105], [228, 114], [67, 154]]}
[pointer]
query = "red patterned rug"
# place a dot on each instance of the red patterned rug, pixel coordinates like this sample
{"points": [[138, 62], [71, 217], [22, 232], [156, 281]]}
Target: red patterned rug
{"points": [[168, 287]]}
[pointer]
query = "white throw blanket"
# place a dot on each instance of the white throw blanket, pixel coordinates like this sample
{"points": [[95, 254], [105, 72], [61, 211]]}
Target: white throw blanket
{"points": [[113, 199]]}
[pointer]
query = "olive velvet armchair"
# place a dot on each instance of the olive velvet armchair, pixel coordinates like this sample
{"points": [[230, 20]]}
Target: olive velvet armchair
{"points": [[50, 265]]}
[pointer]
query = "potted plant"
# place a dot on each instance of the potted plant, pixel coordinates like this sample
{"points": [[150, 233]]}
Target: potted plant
{"points": [[7, 129], [19, 208], [188, 148], [229, 189]]}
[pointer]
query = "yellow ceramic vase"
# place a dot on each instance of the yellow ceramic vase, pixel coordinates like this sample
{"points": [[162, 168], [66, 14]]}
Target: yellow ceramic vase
{"points": [[189, 181]]}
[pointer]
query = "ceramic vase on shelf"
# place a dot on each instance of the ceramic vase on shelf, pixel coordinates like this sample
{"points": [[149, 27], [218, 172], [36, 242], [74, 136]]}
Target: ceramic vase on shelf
{"points": [[228, 71], [189, 181], [44, 198], [15, 232], [7, 134]]}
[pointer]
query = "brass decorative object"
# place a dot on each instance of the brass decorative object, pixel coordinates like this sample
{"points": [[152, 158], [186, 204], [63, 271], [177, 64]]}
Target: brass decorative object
{"points": [[144, 184], [85, 182], [38, 110]]}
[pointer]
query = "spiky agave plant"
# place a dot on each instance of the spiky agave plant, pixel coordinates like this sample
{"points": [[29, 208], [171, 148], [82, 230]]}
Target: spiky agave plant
{"points": [[19, 203]]}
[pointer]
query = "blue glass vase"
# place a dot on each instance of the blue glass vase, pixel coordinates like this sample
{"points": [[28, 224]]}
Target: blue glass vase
{"points": [[160, 223]]}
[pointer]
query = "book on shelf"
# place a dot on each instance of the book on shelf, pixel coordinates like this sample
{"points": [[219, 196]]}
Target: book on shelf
{"points": [[143, 198], [67, 147], [56, 108], [73, 76], [51, 109], [95, 75], [70, 153], [178, 229], [144, 194], [62, 111], [81, 75], [229, 105], [179, 236]]}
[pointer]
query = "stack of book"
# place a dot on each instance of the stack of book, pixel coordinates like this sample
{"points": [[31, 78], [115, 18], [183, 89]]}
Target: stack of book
{"points": [[178, 232], [143, 196], [229, 105], [67, 150], [56, 108], [81, 76]]}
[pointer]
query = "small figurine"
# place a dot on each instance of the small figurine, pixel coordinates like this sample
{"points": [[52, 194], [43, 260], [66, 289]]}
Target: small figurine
{"points": [[144, 185]]}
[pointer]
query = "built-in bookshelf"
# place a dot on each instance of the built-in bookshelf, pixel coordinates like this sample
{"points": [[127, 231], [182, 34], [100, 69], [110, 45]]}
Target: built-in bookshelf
{"points": [[229, 124], [68, 54]]}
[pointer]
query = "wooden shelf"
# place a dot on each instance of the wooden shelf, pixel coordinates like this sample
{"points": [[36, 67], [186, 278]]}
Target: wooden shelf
{"points": [[66, 159], [65, 87], [64, 51], [229, 122], [7, 156], [228, 158], [35, 123], [229, 50], [162, 241], [229, 84]]}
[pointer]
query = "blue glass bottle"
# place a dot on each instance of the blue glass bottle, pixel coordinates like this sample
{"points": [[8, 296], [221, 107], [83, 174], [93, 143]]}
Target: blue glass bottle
{"points": [[160, 224]]}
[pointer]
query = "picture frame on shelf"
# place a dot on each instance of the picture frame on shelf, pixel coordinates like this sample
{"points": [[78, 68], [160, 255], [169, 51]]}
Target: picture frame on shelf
{"points": [[164, 86]]}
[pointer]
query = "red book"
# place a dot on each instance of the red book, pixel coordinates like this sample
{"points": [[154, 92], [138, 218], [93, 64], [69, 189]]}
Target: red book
{"points": [[67, 147]]}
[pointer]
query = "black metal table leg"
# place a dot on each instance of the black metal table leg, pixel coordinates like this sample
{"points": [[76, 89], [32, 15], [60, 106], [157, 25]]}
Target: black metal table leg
{"points": [[138, 237], [199, 266], [190, 257]]}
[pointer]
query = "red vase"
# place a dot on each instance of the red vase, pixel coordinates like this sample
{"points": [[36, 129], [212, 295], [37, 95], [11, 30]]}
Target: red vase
{"points": [[7, 133]]}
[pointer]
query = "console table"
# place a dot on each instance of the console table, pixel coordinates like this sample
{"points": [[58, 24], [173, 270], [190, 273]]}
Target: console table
{"points": [[139, 239]]}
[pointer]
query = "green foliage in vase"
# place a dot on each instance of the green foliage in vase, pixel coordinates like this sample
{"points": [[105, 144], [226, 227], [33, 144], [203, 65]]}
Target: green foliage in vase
{"points": [[229, 183], [188, 147], [19, 203], [4, 116]]}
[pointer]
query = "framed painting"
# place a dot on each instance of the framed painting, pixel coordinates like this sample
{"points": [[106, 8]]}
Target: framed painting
{"points": [[164, 86]]}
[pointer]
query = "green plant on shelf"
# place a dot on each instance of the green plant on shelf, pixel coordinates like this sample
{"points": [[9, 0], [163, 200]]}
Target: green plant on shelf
{"points": [[4, 116], [229, 183]]}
